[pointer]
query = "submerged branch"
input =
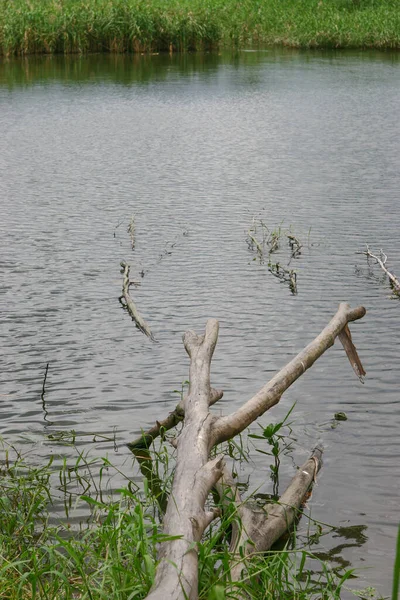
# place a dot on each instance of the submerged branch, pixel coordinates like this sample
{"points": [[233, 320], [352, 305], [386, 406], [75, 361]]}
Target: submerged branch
{"points": [[129, 305], [131, 231], [381, 261], [257, 528]]}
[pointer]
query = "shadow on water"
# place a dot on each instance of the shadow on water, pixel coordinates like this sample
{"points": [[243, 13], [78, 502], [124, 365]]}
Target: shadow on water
{"points": [[352, 536]]}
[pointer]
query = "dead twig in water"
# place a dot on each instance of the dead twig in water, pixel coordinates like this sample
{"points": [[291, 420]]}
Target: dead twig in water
{"points": [[127, 302], [287, 275], [131, 231], [381, 261], [42, 395], [295, 246], [271, 243]]}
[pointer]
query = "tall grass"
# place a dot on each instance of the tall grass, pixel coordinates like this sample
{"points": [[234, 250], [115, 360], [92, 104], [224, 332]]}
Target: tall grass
{"points": [[113, 555], [77, 26]]}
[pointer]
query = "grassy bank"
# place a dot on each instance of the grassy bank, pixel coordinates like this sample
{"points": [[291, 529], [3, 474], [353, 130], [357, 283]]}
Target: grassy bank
{"points": [[68, 26]]}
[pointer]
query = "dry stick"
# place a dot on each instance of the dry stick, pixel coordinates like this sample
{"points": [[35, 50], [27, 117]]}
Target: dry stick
{"points": [[130, 305], [225, 428], [185, 519], [44, 382], [382, 263], [258, 529], [350, 349]]}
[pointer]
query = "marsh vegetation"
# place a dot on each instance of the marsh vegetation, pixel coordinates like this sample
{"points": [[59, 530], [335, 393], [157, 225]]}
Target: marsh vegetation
{"points": [[74, 26]]}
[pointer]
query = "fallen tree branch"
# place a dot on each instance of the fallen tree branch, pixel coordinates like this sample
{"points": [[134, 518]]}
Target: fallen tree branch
{"points": [[350, 349], [225, 428], [129, 305], [258, 528], [195, 474], [185, 519], [381, 260]]}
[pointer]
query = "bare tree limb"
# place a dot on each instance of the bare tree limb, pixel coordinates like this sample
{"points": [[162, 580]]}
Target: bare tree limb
{"points": [[128, 303], [381, 260], [225, 428], [257, 528], [155, 484], [185, 518]]}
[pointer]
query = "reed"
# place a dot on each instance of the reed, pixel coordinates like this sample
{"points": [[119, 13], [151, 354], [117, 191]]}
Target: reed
{"points": [[81, 26]]}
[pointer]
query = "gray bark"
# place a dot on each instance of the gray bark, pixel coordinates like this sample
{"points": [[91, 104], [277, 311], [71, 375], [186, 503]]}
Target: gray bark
{"points": [[128, 303], [195, 475]]}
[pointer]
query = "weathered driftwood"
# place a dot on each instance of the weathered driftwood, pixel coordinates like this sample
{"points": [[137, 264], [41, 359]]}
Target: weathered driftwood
{"points": [[350, 349], [256, 529], [195, 474], [382, 260], [225, 428], [129, 305]]}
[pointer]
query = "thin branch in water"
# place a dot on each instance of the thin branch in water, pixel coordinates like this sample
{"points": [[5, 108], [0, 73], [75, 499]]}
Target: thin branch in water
{"points": [[381, 260], [131, 231], [127, 302], [288, 276], [43, 393], [118, 225]]}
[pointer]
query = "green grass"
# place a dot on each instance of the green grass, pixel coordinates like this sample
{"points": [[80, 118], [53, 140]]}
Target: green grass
{"points": [[79, 26], [46, 554]]}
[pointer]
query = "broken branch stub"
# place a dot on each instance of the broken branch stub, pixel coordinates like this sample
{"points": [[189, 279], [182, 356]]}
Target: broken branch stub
{"points": [[195, 474]]}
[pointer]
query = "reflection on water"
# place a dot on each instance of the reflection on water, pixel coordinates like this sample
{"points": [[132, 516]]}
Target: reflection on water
{"points": [[195, 146]]}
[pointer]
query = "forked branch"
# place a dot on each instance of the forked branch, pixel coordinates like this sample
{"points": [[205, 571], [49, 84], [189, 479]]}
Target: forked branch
{"points": [[382, 260], [195, 474]]}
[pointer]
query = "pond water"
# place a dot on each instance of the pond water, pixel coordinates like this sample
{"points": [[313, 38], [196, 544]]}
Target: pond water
{"points": [[195, 147]]}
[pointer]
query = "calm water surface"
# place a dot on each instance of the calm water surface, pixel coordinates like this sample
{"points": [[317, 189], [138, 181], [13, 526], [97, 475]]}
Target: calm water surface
{"points": [[196, 146]]}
